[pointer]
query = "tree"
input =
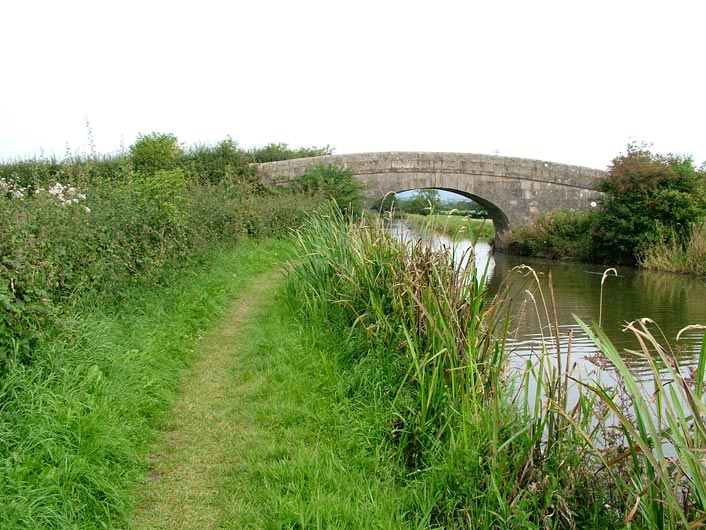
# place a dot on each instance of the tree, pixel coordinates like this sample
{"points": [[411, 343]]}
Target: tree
{"points": [[643, 194], [423, 202], [332, 182], [154, 152]]}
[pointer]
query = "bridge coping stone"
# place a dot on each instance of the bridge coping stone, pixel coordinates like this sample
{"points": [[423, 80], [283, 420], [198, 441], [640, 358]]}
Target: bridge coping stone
{"points": [[443, 163]]}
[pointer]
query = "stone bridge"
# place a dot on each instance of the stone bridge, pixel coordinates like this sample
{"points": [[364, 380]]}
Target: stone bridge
{"points": [[514, 191]]}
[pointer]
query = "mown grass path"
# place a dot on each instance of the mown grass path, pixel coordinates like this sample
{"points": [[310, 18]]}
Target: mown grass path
{"points": [[208, 432], [260, 438]]}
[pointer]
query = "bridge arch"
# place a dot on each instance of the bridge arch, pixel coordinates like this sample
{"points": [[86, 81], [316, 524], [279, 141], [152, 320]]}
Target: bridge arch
{"points": [[495, 212], [514, 191]]}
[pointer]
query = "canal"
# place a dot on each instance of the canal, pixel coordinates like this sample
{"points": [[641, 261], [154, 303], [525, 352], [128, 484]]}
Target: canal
{"points": [[671, 301]]}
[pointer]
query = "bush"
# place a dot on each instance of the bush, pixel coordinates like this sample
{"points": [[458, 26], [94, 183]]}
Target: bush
{"points": [[561, 234], [332, 182], [154, 152], [222, 162], [643, 194], [274, 152]]}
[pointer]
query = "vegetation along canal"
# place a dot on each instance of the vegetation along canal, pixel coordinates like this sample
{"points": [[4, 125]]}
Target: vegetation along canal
{"points": [[672, 301]]}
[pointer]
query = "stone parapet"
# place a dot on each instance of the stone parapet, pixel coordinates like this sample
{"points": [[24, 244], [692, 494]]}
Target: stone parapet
{"points": [[514, 191]]}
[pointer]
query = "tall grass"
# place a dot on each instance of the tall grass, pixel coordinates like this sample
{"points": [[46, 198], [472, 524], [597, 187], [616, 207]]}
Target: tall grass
{"points": [[428, 348], [664, 430], [74, 424], [677, 253]]}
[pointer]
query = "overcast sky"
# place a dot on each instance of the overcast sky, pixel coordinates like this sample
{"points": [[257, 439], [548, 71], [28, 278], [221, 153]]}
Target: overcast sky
{"points": [[563, 81]]}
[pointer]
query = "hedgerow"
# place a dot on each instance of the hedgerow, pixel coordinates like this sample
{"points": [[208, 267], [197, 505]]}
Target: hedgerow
{"points": [[97, 224]]}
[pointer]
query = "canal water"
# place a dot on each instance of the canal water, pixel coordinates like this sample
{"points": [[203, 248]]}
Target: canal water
{"points": [[671, 301]]}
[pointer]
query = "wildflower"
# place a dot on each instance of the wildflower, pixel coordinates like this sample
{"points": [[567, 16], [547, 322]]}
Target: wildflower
{"points": [[56, 190], [88, 210]]}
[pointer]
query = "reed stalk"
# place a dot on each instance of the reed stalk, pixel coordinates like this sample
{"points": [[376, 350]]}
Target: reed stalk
{"points": [[665, 430], [432, 349]]}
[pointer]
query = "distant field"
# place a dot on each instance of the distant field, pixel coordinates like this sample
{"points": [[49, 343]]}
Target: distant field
{"points": [[454, 226]]}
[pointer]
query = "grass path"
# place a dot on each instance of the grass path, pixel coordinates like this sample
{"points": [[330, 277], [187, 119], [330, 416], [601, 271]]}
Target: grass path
{"points": [[259, 438], [207, 432]]}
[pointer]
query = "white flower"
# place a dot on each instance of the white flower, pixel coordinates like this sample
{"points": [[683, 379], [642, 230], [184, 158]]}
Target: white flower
{"points": [[88, 210], [56, 190]]}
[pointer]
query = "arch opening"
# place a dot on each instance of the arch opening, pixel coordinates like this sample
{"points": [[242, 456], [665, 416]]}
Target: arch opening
{"points": [[494, 212]]}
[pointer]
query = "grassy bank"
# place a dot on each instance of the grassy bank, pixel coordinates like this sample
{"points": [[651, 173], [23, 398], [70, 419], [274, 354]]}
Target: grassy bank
{"points": [[422, 354], [73, 425], [425, 359], [260, 438], [678, 253], [453, 226]]}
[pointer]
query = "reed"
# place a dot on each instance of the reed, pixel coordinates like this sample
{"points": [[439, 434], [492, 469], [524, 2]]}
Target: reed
{"points": [[427, 346], [676, 252], [664, 430]]}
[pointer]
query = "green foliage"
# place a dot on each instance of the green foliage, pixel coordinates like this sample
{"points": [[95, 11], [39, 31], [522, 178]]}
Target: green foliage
{"points": [[33, 172], [561, 234], [223, 162], [332, 182], [155, 151], [103, 223], [274, 152], [423, 202], [164, 194], [643, 192]]}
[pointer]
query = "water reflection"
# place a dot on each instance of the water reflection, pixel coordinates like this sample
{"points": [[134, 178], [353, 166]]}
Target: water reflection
{"points": [[671, 301]]}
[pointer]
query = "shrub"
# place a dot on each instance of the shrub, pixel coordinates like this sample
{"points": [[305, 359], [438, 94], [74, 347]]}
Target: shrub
{"points": [[643, 192], [222, 162], [155, 151], [332, 182], [274, 152], [561, 234]]}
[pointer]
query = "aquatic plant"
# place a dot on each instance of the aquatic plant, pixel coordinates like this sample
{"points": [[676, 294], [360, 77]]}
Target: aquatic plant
{"points": [[426, 346], [664, 430]]}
